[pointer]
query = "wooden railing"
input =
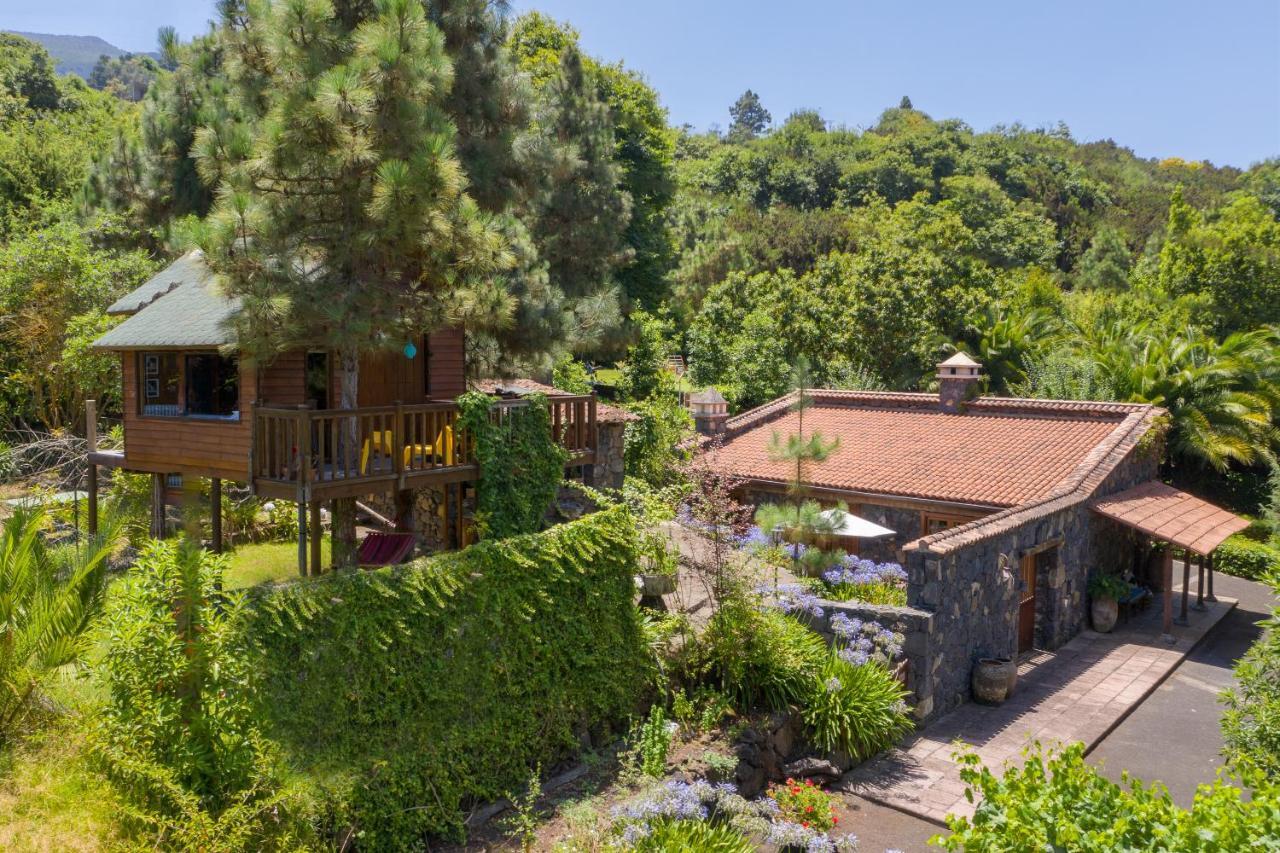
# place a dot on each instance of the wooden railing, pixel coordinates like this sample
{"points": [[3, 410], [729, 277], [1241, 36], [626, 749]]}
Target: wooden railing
{"points": [[312, 448]]}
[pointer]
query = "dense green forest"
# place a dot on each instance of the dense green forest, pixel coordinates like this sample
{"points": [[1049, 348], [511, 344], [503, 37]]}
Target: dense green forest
{"points": [[563, 202]]}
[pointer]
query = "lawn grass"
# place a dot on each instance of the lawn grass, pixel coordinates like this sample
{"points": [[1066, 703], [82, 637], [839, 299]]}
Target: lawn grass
{"points": [[51, 800], [250, 565]]}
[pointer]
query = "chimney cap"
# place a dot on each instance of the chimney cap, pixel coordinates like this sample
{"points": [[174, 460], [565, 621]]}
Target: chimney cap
{"points": [[960, 359], [710, 394]]}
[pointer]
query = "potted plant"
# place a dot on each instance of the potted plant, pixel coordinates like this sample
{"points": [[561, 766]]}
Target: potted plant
{"points": [[1105, 593], [659, 566]]}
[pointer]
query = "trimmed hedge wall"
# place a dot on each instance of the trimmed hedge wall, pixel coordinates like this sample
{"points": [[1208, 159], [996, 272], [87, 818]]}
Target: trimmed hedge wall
{"points": [[406, 695], [1247, 558]]}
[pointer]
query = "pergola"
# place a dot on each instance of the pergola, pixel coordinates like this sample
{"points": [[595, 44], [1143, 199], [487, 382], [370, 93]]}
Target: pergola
{"points": [[1182, 520]]}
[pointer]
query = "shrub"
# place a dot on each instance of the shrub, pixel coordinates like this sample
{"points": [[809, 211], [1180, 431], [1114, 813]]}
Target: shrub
{"points": [[178, 734], [1059, 802], [48, 600], [1251, 724], [759, 657], [653, 444], [857, 709], [569, 375], [668, 835], [651, 742], [1247, 558], [409, 694]]}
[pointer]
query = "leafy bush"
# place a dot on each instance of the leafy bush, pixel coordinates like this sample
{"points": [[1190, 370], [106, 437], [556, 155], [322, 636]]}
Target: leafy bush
{"points": [[282, 522], [178, 735], [1102, 585], [1247, 558], [1251, 724], [406, 695], [759, 657], [651, 742], [652, 445], [857, 709], [48, 599], [569, 375], [1059, 802], [521, 463]]}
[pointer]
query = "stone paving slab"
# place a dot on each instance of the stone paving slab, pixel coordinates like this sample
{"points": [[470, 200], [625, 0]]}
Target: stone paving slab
{"points": [[1077, 693]]}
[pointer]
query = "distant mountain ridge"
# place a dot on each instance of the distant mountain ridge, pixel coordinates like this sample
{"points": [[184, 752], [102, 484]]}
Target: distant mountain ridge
{"points": [[75, 54]]}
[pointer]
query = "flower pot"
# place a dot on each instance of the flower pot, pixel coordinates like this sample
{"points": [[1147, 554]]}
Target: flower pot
{"points": [[652, 586], [1011, 664], [991, 680], [1104, 612]]}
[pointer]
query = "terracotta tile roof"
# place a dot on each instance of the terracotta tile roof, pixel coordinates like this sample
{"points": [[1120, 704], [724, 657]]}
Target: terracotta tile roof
{"points": [[999, 453], [605, 413], [1170, 515]]}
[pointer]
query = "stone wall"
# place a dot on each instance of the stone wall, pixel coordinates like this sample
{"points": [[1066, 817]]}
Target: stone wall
{"points": [[917, 629], [428, 523], [610, 444]]}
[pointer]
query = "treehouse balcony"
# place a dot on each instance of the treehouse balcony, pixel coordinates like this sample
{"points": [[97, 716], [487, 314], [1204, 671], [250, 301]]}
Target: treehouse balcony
{"points": [[311, 455]]}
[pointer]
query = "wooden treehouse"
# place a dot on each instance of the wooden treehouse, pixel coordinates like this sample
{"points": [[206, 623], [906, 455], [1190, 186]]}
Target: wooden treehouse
{"points": [[192, 408]]}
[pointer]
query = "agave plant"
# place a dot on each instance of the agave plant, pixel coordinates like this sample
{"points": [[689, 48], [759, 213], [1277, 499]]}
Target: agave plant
{"points": [[48, 599]]}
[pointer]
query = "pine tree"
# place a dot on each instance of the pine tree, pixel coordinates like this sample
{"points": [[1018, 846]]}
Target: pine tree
{"points": [[347, 224], [577, 217], [750, 118]]}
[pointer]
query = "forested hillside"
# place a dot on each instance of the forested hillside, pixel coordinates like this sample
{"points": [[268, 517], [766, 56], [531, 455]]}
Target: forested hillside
{"points": [[1070, 269]]}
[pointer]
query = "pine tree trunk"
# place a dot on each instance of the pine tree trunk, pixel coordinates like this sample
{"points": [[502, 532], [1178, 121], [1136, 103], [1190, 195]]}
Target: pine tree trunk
{"points": [[344, 509]]}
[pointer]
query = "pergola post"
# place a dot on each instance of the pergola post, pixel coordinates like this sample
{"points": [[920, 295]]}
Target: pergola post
{"points": [[302, 539], [215, 514], [1210, 597], [1199, 605], [1186, 583], [1167, 583]]}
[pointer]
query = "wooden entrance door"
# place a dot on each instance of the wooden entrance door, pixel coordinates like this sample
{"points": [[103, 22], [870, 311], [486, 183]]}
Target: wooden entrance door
{"points": [[1027, 605]]}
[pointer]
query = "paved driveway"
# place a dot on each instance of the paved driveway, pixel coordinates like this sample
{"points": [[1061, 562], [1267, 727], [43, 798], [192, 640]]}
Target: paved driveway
{"points": [[1174, 736]]}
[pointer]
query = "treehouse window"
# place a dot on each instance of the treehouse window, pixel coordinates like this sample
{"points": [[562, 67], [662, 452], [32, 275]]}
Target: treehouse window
{"points": [[160, 381], [213, 386]]}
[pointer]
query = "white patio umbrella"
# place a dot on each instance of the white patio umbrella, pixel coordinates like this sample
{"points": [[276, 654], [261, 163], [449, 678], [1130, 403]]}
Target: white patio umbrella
{"points": [[848, 524]]}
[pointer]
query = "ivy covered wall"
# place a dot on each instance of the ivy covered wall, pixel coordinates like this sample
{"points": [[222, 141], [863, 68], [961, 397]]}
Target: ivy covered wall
{"points": [[409, 694]]}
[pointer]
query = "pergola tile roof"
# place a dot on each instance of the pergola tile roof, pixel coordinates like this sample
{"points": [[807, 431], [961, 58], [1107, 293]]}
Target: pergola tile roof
{"points": [[998, 453], [1171, 515]]}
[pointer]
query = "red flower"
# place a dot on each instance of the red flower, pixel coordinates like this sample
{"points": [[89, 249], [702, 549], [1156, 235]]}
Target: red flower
{"points": [[808, 809], [834, 819]]}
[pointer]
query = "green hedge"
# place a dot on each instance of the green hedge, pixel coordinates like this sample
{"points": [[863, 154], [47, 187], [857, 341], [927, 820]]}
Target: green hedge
{"points": [[408, 695], [1247, 558]]}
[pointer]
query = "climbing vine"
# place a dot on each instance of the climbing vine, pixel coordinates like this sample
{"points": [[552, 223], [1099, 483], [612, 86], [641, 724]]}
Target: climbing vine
{"points": [[407, 696], [521, 463]]}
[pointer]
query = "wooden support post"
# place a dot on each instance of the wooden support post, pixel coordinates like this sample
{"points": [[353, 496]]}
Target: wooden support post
{"points": [[1166, 622], [157, 506], [1209, 564], [404, 510], [1186, 591], [1199, 605], [91, 442], [302, 539], [215, 514], [317, 536]]}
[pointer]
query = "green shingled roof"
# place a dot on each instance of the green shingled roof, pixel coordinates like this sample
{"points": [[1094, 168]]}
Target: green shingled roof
{"points": [[179, 307]]}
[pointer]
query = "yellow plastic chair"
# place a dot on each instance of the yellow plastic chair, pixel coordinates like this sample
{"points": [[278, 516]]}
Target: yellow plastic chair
{"points": [[441, 447], [379, 441]]}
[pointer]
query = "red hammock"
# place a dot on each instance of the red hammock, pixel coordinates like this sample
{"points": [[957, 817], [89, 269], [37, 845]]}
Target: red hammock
{"points": [[385, 549]]}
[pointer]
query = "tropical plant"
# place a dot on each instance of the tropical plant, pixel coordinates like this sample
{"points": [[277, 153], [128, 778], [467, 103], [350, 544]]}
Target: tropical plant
{"points": [[857, 709], [1103, 585], [49, 598], [1222, 396]]}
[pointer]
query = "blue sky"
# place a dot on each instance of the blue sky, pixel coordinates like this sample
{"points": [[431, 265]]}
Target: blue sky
{"points": [[1193, 80]]}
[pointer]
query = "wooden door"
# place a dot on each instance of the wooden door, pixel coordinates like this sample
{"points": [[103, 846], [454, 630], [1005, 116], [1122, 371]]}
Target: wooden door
{"points": [[1027, 605]]}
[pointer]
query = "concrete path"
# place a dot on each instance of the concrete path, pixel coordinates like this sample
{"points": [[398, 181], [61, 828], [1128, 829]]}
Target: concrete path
{"points": [[1078, 693], [1184, 712]]}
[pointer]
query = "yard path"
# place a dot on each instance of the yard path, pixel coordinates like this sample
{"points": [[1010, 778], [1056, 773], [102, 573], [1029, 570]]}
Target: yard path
{"points": [[1078, 693]]}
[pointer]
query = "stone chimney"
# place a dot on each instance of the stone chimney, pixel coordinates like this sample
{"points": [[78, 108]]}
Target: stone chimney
{"points": [[958, 379], [710, 411]]}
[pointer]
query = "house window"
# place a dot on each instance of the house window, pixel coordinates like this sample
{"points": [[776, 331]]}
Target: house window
{"points": [[199, 385], [160, 381], [213, 385], [932, 522]]}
